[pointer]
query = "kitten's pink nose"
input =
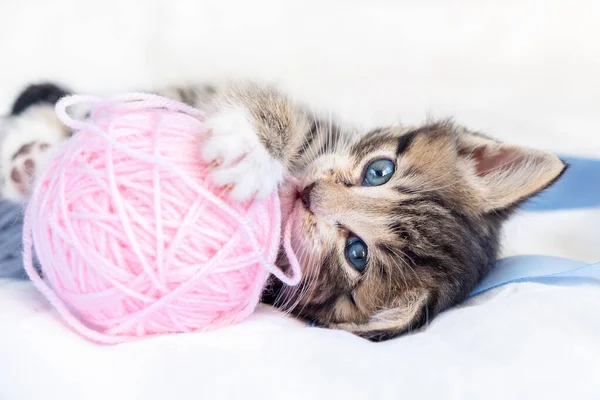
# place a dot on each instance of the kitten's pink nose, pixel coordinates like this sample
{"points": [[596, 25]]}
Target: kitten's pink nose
{"points": [[305, 195]]}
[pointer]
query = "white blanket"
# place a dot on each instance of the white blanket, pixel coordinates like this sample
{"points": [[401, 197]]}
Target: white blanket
{"points": [[523, 71]]}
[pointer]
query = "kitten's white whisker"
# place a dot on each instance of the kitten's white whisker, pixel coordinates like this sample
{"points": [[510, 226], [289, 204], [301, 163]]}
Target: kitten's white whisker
{"points": [[312, 278], [330, 133], [310, 270]]}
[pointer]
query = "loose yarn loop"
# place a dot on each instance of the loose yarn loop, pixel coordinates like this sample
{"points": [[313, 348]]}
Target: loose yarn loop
{"points": [[134, 239]]}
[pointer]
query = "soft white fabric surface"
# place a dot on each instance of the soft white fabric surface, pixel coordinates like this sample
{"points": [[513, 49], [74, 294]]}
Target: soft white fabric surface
{"points": [[524, 71]]}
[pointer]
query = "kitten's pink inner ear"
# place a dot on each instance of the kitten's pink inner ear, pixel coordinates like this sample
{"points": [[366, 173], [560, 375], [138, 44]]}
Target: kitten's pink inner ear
{"points": [[502, 174], [502, 159]]}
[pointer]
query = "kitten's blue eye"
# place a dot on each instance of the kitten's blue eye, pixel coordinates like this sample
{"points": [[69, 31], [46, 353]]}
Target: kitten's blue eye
{"points": [[379, 172], [356, 253]]}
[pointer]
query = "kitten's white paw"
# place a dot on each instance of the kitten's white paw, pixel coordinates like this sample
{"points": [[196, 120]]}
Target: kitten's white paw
{"points": [[26, 141], [22, 170], [241, 161]]}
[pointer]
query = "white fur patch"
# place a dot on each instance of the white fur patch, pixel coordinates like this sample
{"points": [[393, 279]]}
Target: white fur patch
{"points": [[37, 125], [242, 161]]}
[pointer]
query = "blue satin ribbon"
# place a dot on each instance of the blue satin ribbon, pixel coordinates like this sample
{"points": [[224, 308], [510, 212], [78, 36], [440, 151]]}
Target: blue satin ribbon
{"points": [[579, 187], [542, 269]]}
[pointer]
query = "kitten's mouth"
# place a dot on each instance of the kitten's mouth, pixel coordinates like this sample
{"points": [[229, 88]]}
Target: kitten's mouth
{"points": [[303, 210], [301, 202], [292, 198]]}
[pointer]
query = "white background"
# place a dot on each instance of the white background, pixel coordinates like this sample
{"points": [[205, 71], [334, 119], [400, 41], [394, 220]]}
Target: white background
{"points": [[524, 71]]}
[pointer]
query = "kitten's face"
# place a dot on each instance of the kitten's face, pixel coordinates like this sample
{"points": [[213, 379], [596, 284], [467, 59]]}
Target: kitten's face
{"points": [[401, 225]]}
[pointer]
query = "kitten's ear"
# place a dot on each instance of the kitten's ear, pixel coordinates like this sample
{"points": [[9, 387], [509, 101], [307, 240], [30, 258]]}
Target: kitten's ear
{"points": [[410, 314], [505, 175]]}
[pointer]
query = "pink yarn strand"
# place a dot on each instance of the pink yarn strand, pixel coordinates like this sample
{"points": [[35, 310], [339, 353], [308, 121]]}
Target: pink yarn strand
{"points": [[125, 102]]}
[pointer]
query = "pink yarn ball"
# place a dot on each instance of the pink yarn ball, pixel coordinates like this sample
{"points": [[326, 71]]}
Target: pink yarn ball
{"points": [[132, 236]]}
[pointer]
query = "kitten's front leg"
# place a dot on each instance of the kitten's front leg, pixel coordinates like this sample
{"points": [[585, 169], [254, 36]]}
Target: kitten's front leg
{"points": [[255, 134]]}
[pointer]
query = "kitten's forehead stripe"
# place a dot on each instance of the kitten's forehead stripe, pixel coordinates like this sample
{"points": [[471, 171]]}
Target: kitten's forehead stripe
{"points": [[387, 137], [404, 142], [372, 142]]}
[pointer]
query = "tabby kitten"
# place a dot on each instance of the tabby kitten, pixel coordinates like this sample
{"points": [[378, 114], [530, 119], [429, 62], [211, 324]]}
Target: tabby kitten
{"points": [[391, 226]]}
